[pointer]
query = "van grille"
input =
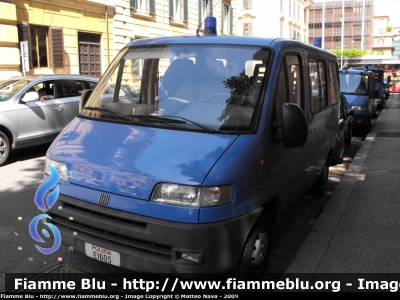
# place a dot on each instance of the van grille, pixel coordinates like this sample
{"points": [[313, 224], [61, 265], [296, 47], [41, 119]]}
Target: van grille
{"points": [[90, 219]]}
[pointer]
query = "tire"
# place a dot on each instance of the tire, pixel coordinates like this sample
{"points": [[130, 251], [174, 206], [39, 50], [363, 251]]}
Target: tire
{"points": [[368, 127], [4, 148], [319, 187], [254, 259], [349, 136]]}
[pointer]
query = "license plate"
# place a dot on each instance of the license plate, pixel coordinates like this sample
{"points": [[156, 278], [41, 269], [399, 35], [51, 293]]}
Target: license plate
{"points": [[103, 254]]}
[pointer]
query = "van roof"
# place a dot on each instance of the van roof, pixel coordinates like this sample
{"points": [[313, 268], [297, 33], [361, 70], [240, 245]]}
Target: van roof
{"points": [[272, 42]]}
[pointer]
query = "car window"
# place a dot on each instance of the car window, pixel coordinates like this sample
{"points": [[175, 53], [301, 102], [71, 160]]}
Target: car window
{"points": [[9, 88], [73, 88], [46, 86]]}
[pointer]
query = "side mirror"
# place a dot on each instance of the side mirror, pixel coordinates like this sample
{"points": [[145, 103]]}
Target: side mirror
{"points": [[84, 97], [294, 126], [375, 93], [30, 97]]}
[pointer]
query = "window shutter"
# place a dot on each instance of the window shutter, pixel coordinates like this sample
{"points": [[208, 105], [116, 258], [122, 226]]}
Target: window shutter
{"points": [[152, 7], [24, 35], [57, 47], [185, 11], [133, 4], [171, 9], [230, 19], [200, 11], [222, 17], [211, 8]]}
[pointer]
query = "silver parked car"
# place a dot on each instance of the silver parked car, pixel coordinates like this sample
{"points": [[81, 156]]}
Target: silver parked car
{"points": [[34, 109]]}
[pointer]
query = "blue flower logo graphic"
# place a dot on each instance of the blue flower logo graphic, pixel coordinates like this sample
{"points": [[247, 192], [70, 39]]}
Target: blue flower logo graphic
{"points": [[51, 198]]}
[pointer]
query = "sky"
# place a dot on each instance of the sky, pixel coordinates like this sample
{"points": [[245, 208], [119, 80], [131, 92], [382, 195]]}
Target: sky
{"points": [[389, 8]]}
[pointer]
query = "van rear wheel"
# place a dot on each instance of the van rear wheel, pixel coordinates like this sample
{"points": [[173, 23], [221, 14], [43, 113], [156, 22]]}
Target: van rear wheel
{"points": [[255, 254], [320, 186]]}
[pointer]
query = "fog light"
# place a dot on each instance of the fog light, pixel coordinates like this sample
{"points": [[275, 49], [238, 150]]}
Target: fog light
{"points": [[189, 257], [196, 257]]}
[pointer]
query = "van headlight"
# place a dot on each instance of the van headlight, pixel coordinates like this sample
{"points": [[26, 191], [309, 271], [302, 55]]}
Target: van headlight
{"points": [[358, 107], [59, 166], [194, 196]]}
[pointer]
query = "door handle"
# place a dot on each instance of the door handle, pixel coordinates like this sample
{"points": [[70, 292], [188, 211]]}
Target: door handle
{"points": [[58, 108]]}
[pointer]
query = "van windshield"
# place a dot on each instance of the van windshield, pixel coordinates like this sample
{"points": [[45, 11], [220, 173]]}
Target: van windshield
{"points": [[354, 84], [183, 87]]}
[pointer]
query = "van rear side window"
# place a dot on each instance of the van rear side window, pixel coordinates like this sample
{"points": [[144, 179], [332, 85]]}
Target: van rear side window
{"points": [[318, 85]]}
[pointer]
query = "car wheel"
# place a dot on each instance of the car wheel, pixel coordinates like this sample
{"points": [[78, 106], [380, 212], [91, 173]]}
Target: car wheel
{"points": [[367, 128], [320, 186], [4, 148], [255, 254], [349, 136]]}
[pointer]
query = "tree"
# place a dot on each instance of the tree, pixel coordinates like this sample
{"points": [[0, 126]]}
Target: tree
{"points": [[348, 53]]}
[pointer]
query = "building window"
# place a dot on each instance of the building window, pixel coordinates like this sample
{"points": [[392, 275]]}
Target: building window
{"points": [[290, 7], [281, 4], [203, 10], [247, 4], [144, 6], [226, 19], [46, 45], [178, 10], [248, 29], [39, 46]]}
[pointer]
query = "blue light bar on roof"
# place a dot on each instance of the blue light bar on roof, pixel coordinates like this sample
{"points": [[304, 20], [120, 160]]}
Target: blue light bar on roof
{"points": [[210, 26]]}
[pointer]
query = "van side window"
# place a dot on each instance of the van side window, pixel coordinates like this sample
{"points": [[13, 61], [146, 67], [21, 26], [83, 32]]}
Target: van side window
{"points": [[294, 79], [289, 89], [280, 96], [318, 85], [334, 84]]}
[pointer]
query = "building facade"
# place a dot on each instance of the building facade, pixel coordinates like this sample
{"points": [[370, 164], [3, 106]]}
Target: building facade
{"points": [[283, 18], [60, 37], [83, 36], [383, 37], [136, 19], [326, 21]]}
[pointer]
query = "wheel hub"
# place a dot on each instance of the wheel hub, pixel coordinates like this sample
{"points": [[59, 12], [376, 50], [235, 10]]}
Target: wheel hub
{"points": [[260, 249]]}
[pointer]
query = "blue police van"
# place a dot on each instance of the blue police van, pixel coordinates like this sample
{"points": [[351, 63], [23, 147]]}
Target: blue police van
{"points": [[223, 136], [357, 86]]}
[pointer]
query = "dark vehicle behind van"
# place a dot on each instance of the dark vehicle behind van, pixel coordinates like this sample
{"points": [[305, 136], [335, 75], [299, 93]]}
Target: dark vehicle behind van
{"points": [[227, 134], [358, 89]]}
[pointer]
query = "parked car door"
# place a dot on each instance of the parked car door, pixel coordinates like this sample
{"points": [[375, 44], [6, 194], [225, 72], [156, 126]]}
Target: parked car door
{"points": [[41, 119]]}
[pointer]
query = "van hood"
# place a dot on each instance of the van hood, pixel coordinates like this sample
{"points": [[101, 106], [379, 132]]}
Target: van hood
{"points": [[356, 99], [131, 160]]}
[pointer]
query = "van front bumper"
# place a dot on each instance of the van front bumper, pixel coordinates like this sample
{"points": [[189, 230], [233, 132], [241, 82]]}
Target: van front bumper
{"points": [[152, 245], [360, 121]]}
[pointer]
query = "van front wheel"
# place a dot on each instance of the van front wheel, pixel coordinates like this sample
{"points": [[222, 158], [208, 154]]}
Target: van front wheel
{"points": [[255, 254]]}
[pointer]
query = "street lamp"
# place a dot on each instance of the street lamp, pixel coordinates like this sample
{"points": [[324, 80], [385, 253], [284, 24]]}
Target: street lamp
{"points": [[341, 48]]}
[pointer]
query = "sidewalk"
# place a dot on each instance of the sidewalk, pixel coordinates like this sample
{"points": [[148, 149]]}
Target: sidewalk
{"points": [[359, 229]]}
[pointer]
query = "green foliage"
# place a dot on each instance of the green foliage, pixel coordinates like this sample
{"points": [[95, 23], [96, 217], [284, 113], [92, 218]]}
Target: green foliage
{"points": [[389, 28], [349, 53]]}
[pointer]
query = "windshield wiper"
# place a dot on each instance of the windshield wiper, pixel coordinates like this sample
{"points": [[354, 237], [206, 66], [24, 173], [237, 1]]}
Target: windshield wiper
{"points": [[166, 119], [113, 112], [209, 129]]}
